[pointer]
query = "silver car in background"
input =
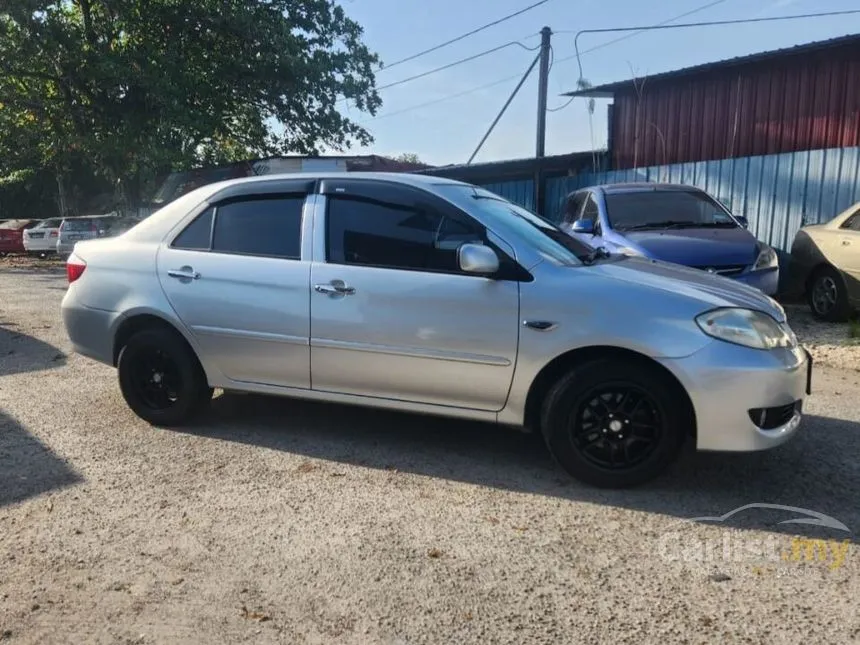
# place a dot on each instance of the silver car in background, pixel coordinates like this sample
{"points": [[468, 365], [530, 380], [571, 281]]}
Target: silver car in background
{"points": [[434, 296], [77, 229]]}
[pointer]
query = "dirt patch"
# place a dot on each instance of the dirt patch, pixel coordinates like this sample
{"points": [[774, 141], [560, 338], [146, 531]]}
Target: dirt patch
{"points": [[834, 344], [32, 263]]}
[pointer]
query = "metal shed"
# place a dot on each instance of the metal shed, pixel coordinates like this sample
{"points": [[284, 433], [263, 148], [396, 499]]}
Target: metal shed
{"points": [[800, 98]]}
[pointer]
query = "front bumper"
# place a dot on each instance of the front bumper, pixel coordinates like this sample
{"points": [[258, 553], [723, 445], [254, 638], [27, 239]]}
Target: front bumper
{"points": [[765, 280], [730, 385]]}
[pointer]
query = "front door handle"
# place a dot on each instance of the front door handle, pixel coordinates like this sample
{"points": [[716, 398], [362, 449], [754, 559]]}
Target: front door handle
{"points": [[846, 242], [184, 273], [334, 288]]}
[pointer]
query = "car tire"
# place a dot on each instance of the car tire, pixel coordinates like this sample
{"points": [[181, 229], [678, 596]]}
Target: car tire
{"points": [[615, 423], [827, 295], [161, 379]]}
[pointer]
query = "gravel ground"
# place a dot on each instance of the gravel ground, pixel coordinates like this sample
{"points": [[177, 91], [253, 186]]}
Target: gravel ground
{"points": [[289, 522]]}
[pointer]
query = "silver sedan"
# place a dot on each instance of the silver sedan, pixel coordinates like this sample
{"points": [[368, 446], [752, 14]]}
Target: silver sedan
{"points": [[434, 296]]}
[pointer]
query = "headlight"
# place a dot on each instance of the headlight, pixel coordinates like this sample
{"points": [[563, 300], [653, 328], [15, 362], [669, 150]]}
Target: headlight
{"points": [[767, 259], [746, 327]]}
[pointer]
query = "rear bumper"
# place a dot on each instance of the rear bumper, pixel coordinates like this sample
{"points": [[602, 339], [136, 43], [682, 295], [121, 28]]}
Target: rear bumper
{"points": [[41, 245], [88, 329], [730, 386], [766, 280]]}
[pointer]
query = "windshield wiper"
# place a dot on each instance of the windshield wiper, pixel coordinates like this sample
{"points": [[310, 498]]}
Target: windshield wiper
{"points": [[719, 225], [665, 224], [599, 253]]}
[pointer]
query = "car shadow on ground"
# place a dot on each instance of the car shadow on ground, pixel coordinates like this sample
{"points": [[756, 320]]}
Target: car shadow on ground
{"points": [[818, 470], [27, 467], [20, 352]]}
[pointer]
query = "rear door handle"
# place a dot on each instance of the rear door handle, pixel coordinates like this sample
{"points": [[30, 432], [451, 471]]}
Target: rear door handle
{"points": [[335, 288], [846, 242], [186, 273]]}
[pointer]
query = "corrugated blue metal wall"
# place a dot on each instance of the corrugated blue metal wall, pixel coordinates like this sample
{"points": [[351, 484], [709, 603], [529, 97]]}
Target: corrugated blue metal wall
{"points": [[520, 192], [777, 193]]}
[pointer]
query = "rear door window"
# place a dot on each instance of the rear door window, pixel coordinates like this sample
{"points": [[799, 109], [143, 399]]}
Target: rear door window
{"points": [[197, 236], [79, 225], [265, 225]]}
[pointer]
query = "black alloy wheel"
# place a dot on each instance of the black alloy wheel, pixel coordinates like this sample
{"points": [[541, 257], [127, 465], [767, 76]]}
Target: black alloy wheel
{"points": [[161, 379], [616, 422], [616, 426]]}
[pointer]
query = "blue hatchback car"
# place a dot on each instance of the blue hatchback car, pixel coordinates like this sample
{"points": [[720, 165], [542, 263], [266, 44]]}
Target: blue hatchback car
{"points": [[674, 223]]}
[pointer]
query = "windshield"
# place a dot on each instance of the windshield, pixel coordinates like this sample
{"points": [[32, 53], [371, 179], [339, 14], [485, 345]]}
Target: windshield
{"points": [[542, 234], [665, 208]]}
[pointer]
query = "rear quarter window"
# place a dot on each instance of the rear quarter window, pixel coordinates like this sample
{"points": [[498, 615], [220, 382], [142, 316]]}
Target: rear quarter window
{"points": [[79, 225]]}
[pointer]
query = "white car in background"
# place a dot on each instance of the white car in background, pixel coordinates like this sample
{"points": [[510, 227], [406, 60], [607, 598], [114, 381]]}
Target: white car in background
{"points": [[42, 238]]}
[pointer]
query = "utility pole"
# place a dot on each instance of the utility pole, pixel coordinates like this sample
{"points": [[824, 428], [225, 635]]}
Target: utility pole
{"points": [[543, 84], [540, 144]]}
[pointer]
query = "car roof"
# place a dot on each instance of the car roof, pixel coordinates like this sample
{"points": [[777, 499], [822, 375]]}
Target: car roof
{"points": [[393, 177], [15, 223], [155, 226], [643, 186]]}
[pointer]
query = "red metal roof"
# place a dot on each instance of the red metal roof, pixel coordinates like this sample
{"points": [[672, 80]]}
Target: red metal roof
{"points": [[607, 90], [769, 104]]}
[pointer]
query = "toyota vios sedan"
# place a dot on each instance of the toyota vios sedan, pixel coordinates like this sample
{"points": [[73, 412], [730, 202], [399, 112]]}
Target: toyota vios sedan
{"points": [[434, 296]]}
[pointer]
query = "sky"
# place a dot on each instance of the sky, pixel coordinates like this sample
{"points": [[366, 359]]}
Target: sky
{"points": [[448, 129]]}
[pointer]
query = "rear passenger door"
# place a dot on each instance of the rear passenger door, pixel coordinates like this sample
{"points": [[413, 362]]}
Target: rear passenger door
{"points": [[236, 278]]}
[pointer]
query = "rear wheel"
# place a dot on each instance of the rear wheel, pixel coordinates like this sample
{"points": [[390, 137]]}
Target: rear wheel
{"points": [[161, 379], [613, 423], [828, 296]]}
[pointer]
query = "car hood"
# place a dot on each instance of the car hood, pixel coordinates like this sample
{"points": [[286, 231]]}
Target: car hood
{"points": [[710, 290], [697, 246]]}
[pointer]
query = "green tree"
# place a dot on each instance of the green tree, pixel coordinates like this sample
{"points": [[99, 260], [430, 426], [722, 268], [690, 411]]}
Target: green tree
{"points": [[409, 157], [137, 87]]}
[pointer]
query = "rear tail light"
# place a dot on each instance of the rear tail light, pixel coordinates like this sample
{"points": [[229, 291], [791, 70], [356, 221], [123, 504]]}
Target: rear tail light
{"points": [[75, 268], [53, 234]]}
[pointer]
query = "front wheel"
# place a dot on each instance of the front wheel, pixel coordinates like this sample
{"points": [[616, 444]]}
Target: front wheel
{"points": [[828, 297], [161, 379], [615, 423]]}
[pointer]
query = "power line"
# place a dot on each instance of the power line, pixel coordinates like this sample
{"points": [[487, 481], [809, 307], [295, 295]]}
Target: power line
{"points": [[562, 106], [441, 99], [699, 24], [466, 35], [567, 58], [455, 63], [510, 78], [612, 42]]}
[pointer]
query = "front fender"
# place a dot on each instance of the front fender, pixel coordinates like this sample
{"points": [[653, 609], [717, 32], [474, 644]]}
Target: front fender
{"points": [[597, 313]]}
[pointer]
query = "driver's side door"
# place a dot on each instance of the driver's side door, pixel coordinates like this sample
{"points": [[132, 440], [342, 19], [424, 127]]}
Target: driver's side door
{"points": [[392, 315]]}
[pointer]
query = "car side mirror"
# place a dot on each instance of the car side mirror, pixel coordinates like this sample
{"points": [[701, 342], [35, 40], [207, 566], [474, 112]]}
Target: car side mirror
{"points": [[743, 221], [585, 226], [477, 258]]}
